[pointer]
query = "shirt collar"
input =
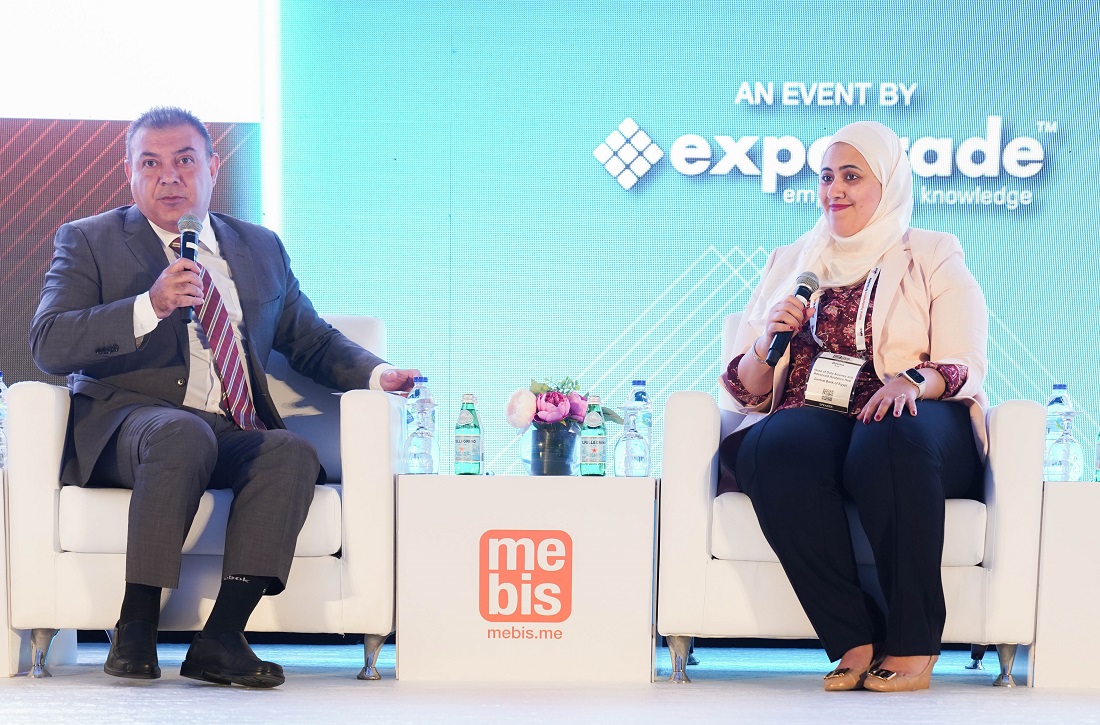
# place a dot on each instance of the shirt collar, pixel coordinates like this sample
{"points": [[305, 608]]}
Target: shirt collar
{"points": [[207, 240]]}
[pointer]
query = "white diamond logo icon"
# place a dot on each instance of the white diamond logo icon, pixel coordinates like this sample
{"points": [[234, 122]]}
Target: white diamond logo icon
{"points": [[628, 153]]}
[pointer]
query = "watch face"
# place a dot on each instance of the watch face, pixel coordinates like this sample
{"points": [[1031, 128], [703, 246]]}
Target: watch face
{"points": [[914, 375]]}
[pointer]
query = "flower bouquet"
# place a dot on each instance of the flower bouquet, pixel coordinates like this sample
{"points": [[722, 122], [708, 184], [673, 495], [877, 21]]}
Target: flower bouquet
{"points": [[551, 414]]}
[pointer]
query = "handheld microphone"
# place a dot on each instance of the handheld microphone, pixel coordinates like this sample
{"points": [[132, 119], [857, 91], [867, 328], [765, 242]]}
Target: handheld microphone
{"points": [[189, 228], [804, 286]]}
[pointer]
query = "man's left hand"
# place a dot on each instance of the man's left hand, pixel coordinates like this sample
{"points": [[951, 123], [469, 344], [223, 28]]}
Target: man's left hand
{"points": [[398, 381]]}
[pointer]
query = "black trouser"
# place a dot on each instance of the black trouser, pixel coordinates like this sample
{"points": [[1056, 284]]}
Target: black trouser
{"points": [[799, 466]]}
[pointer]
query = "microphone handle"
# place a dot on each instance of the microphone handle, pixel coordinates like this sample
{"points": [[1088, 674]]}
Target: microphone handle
{"points": [[778, 347], [189, 242], [779, 343]]}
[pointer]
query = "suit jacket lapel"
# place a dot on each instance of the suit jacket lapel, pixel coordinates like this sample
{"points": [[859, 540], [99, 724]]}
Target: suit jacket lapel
{"points": [[236, 254], [892, 269], [144, 244]]}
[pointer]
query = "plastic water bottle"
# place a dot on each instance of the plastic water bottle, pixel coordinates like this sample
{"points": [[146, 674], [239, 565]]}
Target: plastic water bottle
{"points": [[594, 440], [1058, 404], [1065, 460], [419, 398], [1097, 477], [639, 401], [3, 423], [632, 450], [421, 452], [1057, 407], [468, 441]]}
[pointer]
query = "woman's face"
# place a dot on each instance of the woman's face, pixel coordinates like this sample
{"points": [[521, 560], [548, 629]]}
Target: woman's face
{"points": [[848, 191]]}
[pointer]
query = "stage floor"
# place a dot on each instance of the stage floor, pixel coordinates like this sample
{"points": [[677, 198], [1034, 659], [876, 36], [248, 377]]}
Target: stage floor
{"points": [[735, 684]]}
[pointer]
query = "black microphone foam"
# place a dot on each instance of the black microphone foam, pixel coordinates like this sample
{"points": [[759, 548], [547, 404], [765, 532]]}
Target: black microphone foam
{"points": [[189, 228], [804, 286]]}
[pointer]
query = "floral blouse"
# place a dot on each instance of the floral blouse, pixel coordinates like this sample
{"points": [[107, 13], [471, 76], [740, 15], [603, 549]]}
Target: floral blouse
{"points": [[836, 323]]}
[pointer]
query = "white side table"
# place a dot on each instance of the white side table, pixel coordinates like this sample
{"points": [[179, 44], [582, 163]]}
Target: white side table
{"points": [[1066, 633], [521, 578]]}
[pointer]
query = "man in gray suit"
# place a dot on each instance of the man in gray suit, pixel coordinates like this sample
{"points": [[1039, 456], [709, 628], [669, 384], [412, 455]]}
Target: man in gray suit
{"points": [[170, 407]]}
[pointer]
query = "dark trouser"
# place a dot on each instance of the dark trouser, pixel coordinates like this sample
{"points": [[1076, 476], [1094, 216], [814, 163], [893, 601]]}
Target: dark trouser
{"points": [[799, 466], [169, 457]]}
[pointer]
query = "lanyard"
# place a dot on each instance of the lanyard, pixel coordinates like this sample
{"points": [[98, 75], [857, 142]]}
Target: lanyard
{"points": [[861, 314]]}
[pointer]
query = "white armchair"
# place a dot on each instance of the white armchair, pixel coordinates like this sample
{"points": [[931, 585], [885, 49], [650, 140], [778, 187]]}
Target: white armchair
{"points": [[67, 544], [718, 577]]}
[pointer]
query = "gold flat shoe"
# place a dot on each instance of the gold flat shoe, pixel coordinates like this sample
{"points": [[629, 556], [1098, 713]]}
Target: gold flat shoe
{"points": [[843, 679], [880, 680]]}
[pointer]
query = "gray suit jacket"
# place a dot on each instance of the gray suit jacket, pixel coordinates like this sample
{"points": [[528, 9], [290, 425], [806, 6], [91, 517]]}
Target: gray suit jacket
{"points": [[84, 326]]}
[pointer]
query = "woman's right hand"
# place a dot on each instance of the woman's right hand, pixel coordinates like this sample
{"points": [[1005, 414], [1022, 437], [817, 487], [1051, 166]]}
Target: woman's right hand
{"points": [[787, 315]]}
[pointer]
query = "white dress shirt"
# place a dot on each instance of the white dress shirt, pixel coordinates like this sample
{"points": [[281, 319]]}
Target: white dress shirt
{"points": [[204, 387]]}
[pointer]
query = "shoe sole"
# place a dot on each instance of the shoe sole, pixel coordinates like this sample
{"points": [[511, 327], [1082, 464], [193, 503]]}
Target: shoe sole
{"points": [[154, 675], [256, 680]]}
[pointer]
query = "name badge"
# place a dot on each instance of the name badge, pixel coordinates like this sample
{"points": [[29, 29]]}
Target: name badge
{"points": [[832, 381]]}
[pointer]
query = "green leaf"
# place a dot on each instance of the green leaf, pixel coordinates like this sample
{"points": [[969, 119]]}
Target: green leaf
{"points": [[612, 415]]}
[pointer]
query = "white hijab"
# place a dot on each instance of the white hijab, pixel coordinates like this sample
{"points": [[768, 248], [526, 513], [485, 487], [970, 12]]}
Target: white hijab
{"points": [[843, 261]]}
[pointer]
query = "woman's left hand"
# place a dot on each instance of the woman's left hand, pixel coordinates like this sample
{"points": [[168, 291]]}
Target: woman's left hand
{"points": [[893, 397]]}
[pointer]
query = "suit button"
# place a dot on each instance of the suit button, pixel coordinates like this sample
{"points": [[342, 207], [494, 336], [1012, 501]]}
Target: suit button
{"points": [[181, 382]]}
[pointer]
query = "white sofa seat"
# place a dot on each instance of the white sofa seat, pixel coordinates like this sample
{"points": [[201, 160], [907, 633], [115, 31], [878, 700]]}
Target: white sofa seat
{"points": [[736, 535], [67, 558]]}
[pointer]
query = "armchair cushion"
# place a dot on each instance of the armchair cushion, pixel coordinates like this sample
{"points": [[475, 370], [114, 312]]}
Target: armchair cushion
{"points": [[736, 535], [93, 521]]}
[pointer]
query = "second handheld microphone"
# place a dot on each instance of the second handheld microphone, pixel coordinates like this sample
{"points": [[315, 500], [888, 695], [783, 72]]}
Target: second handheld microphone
{"points": [[804, 286]]}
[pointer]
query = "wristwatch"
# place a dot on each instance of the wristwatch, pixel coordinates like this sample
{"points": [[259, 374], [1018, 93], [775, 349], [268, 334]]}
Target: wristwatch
{"points": [[913, 375]]}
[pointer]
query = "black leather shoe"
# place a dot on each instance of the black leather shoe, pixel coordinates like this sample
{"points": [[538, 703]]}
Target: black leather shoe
{"points": [[134, 651], [228, 660]]}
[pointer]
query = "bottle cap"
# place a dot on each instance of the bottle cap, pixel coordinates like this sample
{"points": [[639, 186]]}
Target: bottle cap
{"points": [[593, 400], [469, 398], [1057, 386], [420, 379], [637, 382]]}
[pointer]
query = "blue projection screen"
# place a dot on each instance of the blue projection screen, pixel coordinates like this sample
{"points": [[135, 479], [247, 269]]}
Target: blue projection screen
{"points": [[446, 169]]}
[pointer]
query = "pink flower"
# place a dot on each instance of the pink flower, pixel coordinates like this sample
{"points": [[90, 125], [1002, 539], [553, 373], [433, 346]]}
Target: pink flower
{"points": [[520, 410], [551, 407], [578, 407]]}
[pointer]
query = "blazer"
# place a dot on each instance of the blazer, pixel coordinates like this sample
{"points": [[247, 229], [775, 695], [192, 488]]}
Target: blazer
{"points": [[928, 306], [84, 326]]}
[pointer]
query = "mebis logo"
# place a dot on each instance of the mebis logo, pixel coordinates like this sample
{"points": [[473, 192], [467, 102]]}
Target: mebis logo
{"points": [[526, 576]]}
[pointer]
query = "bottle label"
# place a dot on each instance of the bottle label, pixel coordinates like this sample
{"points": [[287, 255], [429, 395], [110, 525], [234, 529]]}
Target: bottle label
{"points": [[593, 419], [467, 448], [593, 449], [465, 417]]}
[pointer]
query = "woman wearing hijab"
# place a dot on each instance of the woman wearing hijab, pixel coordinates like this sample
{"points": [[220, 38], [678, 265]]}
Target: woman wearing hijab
{"points": [[877, 400]]}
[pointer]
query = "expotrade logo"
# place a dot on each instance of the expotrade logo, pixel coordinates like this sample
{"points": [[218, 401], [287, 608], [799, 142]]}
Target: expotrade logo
{"points": [[628, 153]]}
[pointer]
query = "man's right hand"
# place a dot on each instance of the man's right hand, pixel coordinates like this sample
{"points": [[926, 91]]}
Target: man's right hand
{"points": [[179, 285]]}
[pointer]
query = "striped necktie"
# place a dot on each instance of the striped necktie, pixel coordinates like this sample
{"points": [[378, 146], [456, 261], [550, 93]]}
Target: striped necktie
{"points": [[227, 360]]}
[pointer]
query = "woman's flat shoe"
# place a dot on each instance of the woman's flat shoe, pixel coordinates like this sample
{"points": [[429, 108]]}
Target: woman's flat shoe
{"points": [[880, 680], [844, 678]]}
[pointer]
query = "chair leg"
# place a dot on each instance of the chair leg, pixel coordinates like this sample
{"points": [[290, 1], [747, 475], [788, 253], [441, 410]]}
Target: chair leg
{"points": [[977, 652], [691, 653], [41, 639], [1006, 653], [678, 648], [372, 645]]}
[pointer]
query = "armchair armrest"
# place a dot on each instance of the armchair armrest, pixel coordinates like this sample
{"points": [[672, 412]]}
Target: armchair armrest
{"points": [[1014, 500], [38, 414], [693, 428], [372, 425]]}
